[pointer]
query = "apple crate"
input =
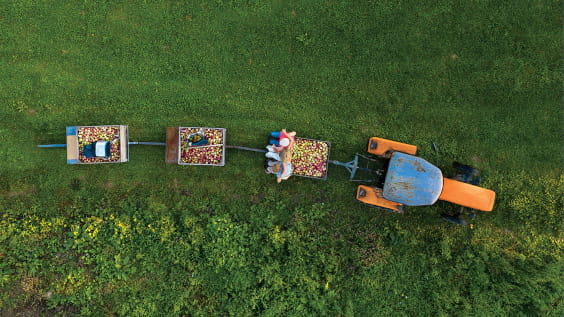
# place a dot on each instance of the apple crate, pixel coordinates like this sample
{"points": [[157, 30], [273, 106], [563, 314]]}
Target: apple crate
{"points": [[311, 158], [97, 144], [182, 149]]}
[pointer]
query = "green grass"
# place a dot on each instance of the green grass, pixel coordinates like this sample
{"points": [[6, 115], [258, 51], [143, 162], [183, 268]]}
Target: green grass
{"points": [[481, 79]]}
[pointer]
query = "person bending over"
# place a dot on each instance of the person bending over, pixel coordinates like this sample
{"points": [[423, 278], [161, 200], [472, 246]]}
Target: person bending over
{"points": [[281, 140], [283, 170]]}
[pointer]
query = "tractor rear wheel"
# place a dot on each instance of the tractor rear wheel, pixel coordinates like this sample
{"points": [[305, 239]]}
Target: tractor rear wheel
{"points": [[467, 169]]}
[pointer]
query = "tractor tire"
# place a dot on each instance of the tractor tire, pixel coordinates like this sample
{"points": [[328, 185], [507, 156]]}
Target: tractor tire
{"points": [[466, 169], [454, 220]]}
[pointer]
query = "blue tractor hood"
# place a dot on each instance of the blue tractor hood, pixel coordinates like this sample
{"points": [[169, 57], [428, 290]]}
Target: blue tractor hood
{"points": [[412, 181]]}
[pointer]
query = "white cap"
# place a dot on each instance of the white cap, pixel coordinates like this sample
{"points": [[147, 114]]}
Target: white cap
{"points": [[284, 142]]}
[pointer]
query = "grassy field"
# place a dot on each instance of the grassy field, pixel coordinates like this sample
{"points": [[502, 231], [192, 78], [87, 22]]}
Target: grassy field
{"points": [[481, 79]]}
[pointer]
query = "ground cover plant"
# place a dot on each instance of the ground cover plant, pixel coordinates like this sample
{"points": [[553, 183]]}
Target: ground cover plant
{"points": [[479, 79]]}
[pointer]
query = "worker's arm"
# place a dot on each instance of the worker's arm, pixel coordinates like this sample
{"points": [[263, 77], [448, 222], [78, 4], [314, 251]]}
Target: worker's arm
{"points": [[277, 149], [290, 134], [282, 172], [291, 145], [292, 137]]}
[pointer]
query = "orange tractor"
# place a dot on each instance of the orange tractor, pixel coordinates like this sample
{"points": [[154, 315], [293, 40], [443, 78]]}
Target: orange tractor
{"points": [[409, 180]]}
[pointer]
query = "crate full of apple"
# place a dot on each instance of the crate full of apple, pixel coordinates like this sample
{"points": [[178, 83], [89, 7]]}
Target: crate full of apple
{"points": [[97, 144], [201, 146], [310, 158]]}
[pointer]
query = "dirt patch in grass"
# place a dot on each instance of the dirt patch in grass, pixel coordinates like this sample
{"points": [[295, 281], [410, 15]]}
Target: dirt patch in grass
{"points": [[117, 15], [108, 185], [257, 198], [476, 159], [28, 190]]}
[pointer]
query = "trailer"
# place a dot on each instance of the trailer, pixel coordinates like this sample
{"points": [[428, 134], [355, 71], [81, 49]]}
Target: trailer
{"points": [[311, 158], [97, 144], [195, 146]]}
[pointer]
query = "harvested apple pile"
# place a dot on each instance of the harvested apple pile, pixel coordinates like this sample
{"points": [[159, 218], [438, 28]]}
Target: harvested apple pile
{"points": [[310, 158], [209, 154], [89, 135]]}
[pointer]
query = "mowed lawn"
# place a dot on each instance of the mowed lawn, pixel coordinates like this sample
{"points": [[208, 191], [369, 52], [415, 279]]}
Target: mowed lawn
{"points": [[482, 80]]}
